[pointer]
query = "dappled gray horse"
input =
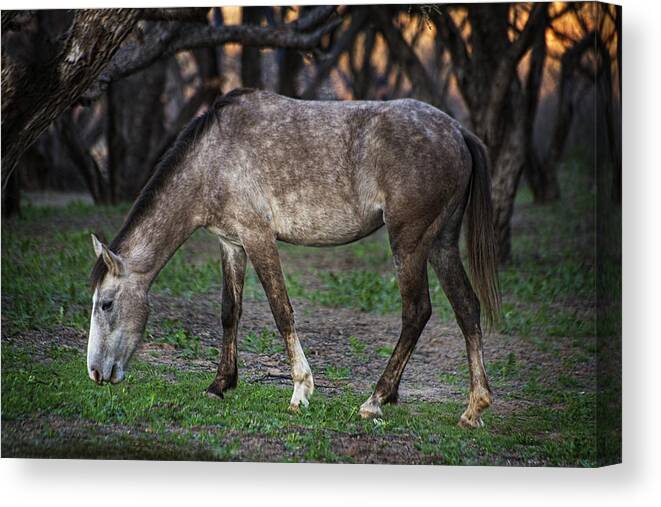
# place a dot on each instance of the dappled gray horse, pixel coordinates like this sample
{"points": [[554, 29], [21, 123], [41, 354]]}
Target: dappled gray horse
{"points": [[257, 168]]}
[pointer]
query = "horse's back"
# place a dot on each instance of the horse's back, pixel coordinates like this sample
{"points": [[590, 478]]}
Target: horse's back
{"points": [[326, 170]]}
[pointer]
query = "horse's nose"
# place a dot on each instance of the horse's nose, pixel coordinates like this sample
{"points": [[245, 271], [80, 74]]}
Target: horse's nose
{"points": [[95, 375]]}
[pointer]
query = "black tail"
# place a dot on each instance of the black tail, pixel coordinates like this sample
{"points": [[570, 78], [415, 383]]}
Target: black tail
{"points": [[482, 258]]}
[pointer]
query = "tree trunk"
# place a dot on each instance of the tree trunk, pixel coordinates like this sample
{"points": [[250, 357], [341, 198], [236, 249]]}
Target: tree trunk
{"points": [[507, 169], [542, 181], [288, 72], [251, 58], [11, 197], [363, 75], [604, 91], [136, 126], [616, 190], [83, 160], [34, 95], [290, 62], [569, 63], [497, 103]]}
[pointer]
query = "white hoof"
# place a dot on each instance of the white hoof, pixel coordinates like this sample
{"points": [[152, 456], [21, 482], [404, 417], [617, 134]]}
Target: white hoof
{"points": [[371, 409], [469, 422], [302, 391]]}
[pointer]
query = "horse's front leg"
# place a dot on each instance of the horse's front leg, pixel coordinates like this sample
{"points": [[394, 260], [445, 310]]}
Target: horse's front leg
{"points": [[263, 253], [234, 267]]}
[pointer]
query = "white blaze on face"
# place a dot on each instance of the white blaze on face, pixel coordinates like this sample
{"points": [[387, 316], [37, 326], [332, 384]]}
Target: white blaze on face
{"points": [[119, 315], [105, 356], [93, 342]]}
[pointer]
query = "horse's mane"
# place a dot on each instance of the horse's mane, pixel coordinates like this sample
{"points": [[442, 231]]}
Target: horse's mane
{"points": [[164, 170]]}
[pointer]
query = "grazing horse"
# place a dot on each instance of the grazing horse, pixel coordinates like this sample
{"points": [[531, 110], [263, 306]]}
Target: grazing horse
{"points": [[258, 167]]}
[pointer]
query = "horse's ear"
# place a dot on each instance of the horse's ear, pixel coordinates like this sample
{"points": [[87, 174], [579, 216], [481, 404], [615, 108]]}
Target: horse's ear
{"points": [[113, 262], [98, 246]]}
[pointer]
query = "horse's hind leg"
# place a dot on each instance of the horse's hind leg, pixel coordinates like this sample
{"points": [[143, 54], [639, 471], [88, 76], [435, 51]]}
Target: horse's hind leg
{"points": [[410, 254], [447, 263], [234, 267], [263, 253]]}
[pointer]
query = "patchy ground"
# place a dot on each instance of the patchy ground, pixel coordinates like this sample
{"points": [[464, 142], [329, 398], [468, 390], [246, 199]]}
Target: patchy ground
{"points": [[541, 359]]}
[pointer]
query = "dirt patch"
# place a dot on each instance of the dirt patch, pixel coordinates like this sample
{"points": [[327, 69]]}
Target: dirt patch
{"points": [[56, 437], [52, 437], [436, 371], [362, 448]]}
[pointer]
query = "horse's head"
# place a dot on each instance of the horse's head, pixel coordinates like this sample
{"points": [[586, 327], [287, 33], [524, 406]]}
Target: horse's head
{"points": [[119, 315]]}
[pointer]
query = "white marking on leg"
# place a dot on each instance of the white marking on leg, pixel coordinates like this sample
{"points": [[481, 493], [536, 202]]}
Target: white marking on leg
{"points": [[301, 375], [371, 408]]}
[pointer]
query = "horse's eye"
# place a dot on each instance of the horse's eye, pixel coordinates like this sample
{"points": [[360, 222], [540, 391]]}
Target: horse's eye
{"points": [[106, 305]]}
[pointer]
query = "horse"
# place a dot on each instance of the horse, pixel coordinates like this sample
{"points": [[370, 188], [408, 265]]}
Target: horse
{"points": [[257, 168]]}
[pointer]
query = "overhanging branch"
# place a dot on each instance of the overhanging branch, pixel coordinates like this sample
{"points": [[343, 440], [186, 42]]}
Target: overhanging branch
{"points": [[164, 40]]}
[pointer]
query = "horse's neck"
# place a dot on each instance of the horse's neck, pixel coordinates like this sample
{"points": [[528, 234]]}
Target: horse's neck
{"points": [[170, 220]]}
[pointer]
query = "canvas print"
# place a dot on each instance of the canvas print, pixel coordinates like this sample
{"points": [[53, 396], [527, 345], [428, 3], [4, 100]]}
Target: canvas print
{"points": [[342, 234]]}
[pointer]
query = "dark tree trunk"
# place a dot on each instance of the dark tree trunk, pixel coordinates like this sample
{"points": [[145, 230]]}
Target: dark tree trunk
{"points": [[565, 114], [616, 190], [507, 168], [217, 21], [363, 74], [136, 126], [33, 168], [251, 58], [82, 159], [542, 182], [605, 97], [11, 197], [209, 63], [33, 95], [288, 70], [496, 98], [290, 62]]}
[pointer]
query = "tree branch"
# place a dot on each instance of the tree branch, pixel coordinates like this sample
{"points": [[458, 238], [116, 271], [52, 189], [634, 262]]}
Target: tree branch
{"points": [[166, 40], [423, 85], [450, 33], [189, 14], [312, 19], [342, 43]]}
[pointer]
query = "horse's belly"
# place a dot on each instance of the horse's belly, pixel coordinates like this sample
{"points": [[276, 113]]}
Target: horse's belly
{"points": [[323, 226]]}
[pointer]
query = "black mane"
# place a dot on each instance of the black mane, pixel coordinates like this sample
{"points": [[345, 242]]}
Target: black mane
{"points": [[165, 168]]}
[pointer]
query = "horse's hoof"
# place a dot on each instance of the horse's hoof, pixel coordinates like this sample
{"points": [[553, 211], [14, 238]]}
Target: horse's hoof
{"points": [[214, 392], [470, 422], [301, 395], [370, 410]]}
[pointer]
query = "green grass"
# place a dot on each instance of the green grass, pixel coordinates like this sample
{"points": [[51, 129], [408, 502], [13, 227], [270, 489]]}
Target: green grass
{"points": [[45, 277], [385, 351], [549, 293], [338, 372], [266, 342], [163, 403], [184, 342], [357, 347]]}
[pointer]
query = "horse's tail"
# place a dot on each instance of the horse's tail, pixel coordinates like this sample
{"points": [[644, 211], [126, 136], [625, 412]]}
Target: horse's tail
{"points": [[480, 237]]}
